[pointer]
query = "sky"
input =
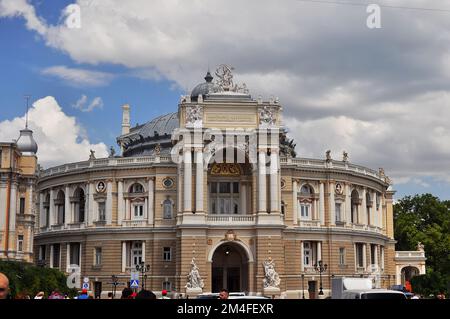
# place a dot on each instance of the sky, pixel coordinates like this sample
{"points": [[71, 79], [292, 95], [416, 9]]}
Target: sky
{"points": [[381, 94]]}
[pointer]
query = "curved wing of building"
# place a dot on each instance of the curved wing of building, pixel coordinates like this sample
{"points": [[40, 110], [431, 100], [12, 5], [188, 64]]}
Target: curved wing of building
{"points": [[213, 197]]}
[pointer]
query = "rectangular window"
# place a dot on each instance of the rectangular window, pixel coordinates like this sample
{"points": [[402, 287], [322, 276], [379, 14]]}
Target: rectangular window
{"points": [[74, 253], [98, 256], [337, 209], [56, 255], [360, 255], [368, 214], [101, 211], [47, 216], [225, 188], [213, 188], [20, 243], [372, 254], [236, 187], [139, 211], [42, 252], [167, 285], [136, 253], [354, 213], [305, 211], [167, 254], [22, 206], [307, 254], [341, 256]]}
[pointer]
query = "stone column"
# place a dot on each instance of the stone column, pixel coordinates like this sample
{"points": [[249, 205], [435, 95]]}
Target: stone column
{"points": [[365, 256], [124, 256], [332, 204], [302, 257], [67, 256], [187, 180], [143, 250], [262, 207], [321, 203], [67, 207], [375, 259], [151, 200], [243, 192], [294, 203], [91, 204], [364, 220], [348, 205], [120, 203], [108, 205], [319, 251], [41, 210], [51, 208], [274, 202], [199, 180]]}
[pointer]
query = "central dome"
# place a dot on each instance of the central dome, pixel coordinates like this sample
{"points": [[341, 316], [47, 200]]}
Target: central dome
{"points": [[205, 88]]}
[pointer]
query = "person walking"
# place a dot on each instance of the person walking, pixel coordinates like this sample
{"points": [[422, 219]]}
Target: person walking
{"points": [[39, 295], [224, 294], [164, 295], [4, 286], [84, 294]]}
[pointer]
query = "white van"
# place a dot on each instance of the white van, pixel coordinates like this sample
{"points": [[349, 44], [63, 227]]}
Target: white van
{"points": [[373, 294]]}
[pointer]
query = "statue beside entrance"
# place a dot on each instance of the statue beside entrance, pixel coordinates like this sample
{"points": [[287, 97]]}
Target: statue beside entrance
{"points": [[271, 279], [194, 285]]}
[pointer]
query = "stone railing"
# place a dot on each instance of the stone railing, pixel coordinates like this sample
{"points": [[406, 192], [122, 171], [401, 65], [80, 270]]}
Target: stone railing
{"points": [[410, 254], [339, 165], [230, 219], [134, 223], [104, 162]]}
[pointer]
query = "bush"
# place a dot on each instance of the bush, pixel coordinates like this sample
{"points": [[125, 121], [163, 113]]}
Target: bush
{"points": [[30, 279]]}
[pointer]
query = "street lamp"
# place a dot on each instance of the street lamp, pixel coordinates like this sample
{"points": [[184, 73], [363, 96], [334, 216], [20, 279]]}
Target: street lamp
{"points": [[303, 286], [114, 283], [320, 267], [143, 269]]}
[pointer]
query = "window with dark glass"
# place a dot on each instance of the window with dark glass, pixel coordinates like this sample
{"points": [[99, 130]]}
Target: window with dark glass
{"points": [[22, 206]]}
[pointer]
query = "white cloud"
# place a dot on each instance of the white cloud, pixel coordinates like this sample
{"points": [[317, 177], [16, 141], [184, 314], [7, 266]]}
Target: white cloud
{"points": [[382, 95], [60, 138], [78, 77], [83, 105]]}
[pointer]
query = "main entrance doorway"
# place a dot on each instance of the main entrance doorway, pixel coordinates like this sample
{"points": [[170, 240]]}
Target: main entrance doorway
{"points": [[229, 268]]}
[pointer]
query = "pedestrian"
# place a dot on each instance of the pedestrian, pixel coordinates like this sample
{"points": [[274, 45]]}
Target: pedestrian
{"points": [[39, 295], [56, 295], [126, 293], [440, 295], [4, 286], [84, 294], [223, 294], [164, 294], [145, 294], [110, 295]]}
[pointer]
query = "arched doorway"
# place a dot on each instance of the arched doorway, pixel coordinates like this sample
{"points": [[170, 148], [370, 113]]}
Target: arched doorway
{"points": [[407, 274], [229, 268]]}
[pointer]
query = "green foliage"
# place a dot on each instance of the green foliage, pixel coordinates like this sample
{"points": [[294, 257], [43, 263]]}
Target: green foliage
{"points": [[30, 279], [425, 219]]}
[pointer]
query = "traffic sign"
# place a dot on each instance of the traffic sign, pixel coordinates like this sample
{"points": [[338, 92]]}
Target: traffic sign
{"points": [[85, 285], [86, 279], [134, 275], [134, 283]]}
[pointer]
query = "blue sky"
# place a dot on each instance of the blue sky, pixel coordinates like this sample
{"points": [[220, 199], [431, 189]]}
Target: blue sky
{"points": [[381, 95]]}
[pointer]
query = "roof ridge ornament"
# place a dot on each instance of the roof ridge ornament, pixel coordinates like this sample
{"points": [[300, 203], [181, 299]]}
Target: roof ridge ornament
{"points": [[225, 80]]}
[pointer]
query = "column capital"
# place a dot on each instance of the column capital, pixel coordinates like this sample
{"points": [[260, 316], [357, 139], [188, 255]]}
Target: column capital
{"points": [[198, 149], [150, 178]]}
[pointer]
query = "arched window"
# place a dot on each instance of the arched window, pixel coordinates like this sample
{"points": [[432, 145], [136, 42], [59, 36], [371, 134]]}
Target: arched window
{"points": [[355, 204], [305, 201], [136, 188], [60, 208], [167, 209], [79, 202]]}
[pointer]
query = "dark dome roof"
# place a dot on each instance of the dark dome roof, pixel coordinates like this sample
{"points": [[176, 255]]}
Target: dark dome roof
{"points": [[143, 139], [204, 88]]}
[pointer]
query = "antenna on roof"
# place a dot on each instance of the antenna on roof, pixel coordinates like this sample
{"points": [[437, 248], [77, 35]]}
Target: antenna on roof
{"points": [[27, 97]]}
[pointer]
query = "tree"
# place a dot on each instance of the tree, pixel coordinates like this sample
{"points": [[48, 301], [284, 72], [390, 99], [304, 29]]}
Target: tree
{"points": [[425, 219], [30, 279]]}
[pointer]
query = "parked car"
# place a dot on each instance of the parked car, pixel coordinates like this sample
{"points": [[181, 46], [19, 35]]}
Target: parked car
{"points": [[373, 294]]}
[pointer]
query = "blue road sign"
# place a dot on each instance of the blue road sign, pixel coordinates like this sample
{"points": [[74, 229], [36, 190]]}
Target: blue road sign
{"points": [[85, 285], [134, 283]]}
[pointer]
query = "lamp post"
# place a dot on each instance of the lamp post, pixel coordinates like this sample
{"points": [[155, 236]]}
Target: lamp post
{"points": [[143, 269], [320, 267], [114, 283], [303, 286]]}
